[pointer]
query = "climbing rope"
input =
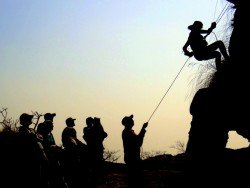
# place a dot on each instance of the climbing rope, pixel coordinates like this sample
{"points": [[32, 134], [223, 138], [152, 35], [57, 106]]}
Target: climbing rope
{"points": [[217, 21], [168, 90], [224, 10], [215, 9]]}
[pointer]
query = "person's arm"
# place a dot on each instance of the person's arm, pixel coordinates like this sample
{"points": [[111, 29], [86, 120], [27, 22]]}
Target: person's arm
{"points": [[186, 52], [142, 133], [213, 25]]}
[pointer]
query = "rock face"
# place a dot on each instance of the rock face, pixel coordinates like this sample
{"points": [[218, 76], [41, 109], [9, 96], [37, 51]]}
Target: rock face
{"points": [[223, 107], [231, 83]]}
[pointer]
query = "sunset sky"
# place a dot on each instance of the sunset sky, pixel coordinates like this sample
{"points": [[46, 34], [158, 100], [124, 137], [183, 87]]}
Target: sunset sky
{"points": [[106, 59]]}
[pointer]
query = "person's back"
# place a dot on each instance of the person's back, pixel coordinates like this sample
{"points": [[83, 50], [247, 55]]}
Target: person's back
{"points": [[87, 130], [68, 137], [99, 134], [132, 144], [197, 42], [32, 158]]}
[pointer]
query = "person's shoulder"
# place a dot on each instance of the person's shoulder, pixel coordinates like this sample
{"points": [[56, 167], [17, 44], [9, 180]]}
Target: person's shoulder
{"points": [[128, 131]]}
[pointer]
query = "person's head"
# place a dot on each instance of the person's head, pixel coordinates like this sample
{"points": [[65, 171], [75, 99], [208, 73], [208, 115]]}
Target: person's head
{"points": [[89, 121], [197, 25], [26, 119], [49, 125], [49, 116], [128, 121], [70, 122], [96, 121], [41, 128]]}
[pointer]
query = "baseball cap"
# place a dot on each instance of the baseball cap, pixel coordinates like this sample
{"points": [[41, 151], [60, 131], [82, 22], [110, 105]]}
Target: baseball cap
{"points": [[127, 119]]}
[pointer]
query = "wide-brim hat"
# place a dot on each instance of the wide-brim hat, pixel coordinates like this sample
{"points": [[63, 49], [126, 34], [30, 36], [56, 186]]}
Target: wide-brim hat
{"points": [[196, 24]]}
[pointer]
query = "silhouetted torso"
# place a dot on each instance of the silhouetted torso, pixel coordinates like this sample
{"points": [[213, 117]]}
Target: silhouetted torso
{"points": [[132, 145], [197, 42]]}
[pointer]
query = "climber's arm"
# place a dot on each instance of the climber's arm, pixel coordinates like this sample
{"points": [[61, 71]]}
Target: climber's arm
{"points": [[184, 48], [213, 25]]}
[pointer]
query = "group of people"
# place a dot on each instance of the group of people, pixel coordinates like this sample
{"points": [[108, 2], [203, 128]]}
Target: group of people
{"points": [[40, 162]]}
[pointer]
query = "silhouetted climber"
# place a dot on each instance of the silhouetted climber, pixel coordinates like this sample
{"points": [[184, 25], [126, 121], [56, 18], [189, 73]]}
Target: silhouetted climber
{"points": [[33, 160], [132, 144], [200, 48]]}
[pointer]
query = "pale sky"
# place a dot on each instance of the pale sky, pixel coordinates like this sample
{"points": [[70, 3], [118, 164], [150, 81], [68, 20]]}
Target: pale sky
{"points": [[106, 59]]}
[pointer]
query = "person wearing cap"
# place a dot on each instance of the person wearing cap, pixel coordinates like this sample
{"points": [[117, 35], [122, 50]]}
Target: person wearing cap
{"points": [[69, 134], [132, 143], [200, 48], [25, 121], [32, 158], [53, 152], [49, 116], [72, 147], [49, 140]]}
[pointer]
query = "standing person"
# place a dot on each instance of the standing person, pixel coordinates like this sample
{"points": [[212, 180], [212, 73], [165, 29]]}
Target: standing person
{"points": [[99, 135], [32, 158], [86, 157], [72, 147], [132, 144], [87, 129], [53, 151], [48, 120], [200, 48], [96, 149], [69, 136]]}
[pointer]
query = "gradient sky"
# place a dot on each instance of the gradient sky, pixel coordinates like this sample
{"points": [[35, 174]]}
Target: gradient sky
{"points": [[107, 59]]}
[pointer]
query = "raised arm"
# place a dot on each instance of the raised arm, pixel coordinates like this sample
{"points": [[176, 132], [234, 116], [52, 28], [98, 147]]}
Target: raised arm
{"points": [[141, 134], [213, 25]]}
